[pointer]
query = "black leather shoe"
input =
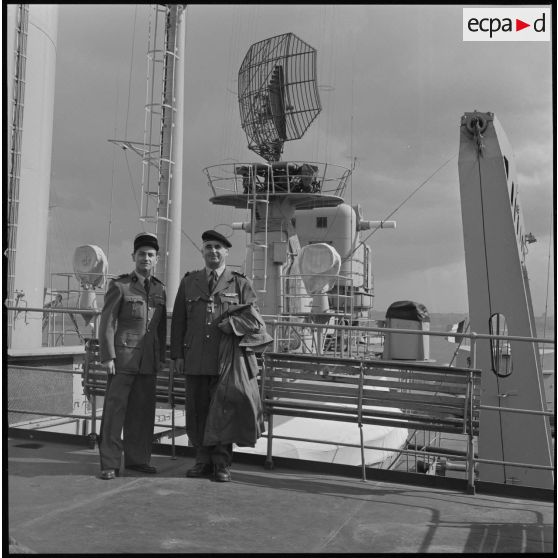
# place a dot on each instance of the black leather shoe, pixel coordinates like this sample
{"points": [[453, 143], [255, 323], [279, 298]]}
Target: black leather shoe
{"points": [[222, 473], [143, 468], [109, 474], [200, 470]]}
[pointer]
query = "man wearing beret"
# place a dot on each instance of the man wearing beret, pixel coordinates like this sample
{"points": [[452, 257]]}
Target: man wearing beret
{"points": [[197, 326], [132, 344]]}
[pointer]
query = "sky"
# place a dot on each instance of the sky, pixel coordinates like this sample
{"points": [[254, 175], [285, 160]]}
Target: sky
{"points": [[394, 83]]}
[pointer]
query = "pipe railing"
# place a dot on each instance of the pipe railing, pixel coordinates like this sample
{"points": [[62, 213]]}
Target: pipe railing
{"points": [[92, 417], [274, 324]]}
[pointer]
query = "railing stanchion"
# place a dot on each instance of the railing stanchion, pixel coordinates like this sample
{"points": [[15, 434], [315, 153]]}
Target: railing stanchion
{"points": [[171, 399], [470, 445], [360, 394], [93, 420]]}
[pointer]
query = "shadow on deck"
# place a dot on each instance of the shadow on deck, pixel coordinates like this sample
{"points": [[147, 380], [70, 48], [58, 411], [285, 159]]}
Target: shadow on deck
{"points": [[57, 504]]}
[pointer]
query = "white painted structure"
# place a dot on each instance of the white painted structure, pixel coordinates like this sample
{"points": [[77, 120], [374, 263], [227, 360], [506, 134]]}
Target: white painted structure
{"points": [[31, 54], [169, 197], [495, 249]]}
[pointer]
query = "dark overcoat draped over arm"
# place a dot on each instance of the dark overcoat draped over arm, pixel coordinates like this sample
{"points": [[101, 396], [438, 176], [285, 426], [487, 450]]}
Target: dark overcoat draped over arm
{"points": [[235, 414]]}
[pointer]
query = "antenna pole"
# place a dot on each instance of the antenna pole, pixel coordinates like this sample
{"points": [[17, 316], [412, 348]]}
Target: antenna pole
{"points": [[169, 211]]}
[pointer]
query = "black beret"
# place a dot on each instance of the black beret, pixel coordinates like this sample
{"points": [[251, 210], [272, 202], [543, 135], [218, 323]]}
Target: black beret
{"points": [[146, 239], [217, 237]]}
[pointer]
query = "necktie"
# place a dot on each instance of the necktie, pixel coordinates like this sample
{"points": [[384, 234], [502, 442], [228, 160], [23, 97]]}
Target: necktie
{"points": [[146, 285], [212, 280]]}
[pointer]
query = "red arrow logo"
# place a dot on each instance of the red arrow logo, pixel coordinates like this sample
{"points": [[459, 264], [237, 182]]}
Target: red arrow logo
{"points": [[519, 25]]}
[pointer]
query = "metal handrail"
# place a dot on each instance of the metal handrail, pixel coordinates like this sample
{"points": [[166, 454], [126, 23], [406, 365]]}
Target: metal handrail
{"points": [[94, 416], [512, 410], [95, 311], [470, 459], [473, 335]]}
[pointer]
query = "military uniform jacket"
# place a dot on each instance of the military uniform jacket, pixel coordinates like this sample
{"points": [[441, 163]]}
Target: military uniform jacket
{"points": [[196, 313], [133, 325]]}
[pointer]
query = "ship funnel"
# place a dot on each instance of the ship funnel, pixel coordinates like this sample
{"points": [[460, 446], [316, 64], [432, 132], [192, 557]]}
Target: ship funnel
{"points": [[90, 269], [319, 266]]}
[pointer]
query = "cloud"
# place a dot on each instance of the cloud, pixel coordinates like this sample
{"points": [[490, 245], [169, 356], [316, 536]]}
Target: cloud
{"points": [[398, 80]]}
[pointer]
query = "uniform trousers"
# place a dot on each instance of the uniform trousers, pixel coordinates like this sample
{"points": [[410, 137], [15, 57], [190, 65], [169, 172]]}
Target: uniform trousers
{"points": [[199, 391], [128, 413]]}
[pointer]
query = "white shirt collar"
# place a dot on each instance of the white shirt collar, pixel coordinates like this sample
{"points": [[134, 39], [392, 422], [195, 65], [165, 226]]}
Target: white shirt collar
{"points": [[218, 271], [141, 278]]}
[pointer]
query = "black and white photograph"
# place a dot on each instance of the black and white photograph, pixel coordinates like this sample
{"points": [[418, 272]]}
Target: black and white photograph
{"points": [[279, 278]]}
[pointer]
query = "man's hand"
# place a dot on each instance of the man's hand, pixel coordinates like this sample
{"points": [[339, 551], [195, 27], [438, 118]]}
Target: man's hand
{"points": [[178, 366], [111, 370]]}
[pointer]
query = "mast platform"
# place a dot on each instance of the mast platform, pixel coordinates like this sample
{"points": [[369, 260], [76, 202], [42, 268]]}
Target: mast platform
{"points": [[301, 184], [298, 201]]}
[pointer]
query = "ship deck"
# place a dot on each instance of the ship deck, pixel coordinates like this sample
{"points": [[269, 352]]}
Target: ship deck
{"points": [[58, 505]]}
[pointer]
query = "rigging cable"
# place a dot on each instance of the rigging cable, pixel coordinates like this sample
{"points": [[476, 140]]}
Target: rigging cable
{"points": [[125, 135], [352, 153], [130, 76], [112, 178], [128, 110], [228, 130], [187, 35], [478, 137], [402, 204], [329, 66], [192, 241]]}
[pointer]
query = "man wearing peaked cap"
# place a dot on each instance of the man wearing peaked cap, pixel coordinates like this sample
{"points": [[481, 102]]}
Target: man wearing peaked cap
{"points": [[132, 346], [146, 239], [217, 237]]}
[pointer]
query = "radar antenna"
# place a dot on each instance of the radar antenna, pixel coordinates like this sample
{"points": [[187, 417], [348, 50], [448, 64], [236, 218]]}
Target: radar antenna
{"points": [[277, 93]]}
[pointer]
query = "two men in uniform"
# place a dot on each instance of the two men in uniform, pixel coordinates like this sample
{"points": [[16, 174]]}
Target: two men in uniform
{"points": [[132, 345]]}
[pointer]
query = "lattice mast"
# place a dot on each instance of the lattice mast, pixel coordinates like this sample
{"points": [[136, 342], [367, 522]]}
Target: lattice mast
{"points": [[162, 191], [162, 146], [170, 164]]}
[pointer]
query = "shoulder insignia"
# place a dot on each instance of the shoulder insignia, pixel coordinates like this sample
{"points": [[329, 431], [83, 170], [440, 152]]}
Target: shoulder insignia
{"points": [[194, 272], [157, 280], [239, 274], [123, 276]]}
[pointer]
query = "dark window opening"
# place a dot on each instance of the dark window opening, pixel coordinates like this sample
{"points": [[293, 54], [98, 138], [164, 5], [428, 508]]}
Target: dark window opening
{"points": [[321, 222], [500, 349]]}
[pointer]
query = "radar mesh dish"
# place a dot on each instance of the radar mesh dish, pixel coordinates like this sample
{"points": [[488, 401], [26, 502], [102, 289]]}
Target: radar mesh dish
{"points": [[277, 93]]}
